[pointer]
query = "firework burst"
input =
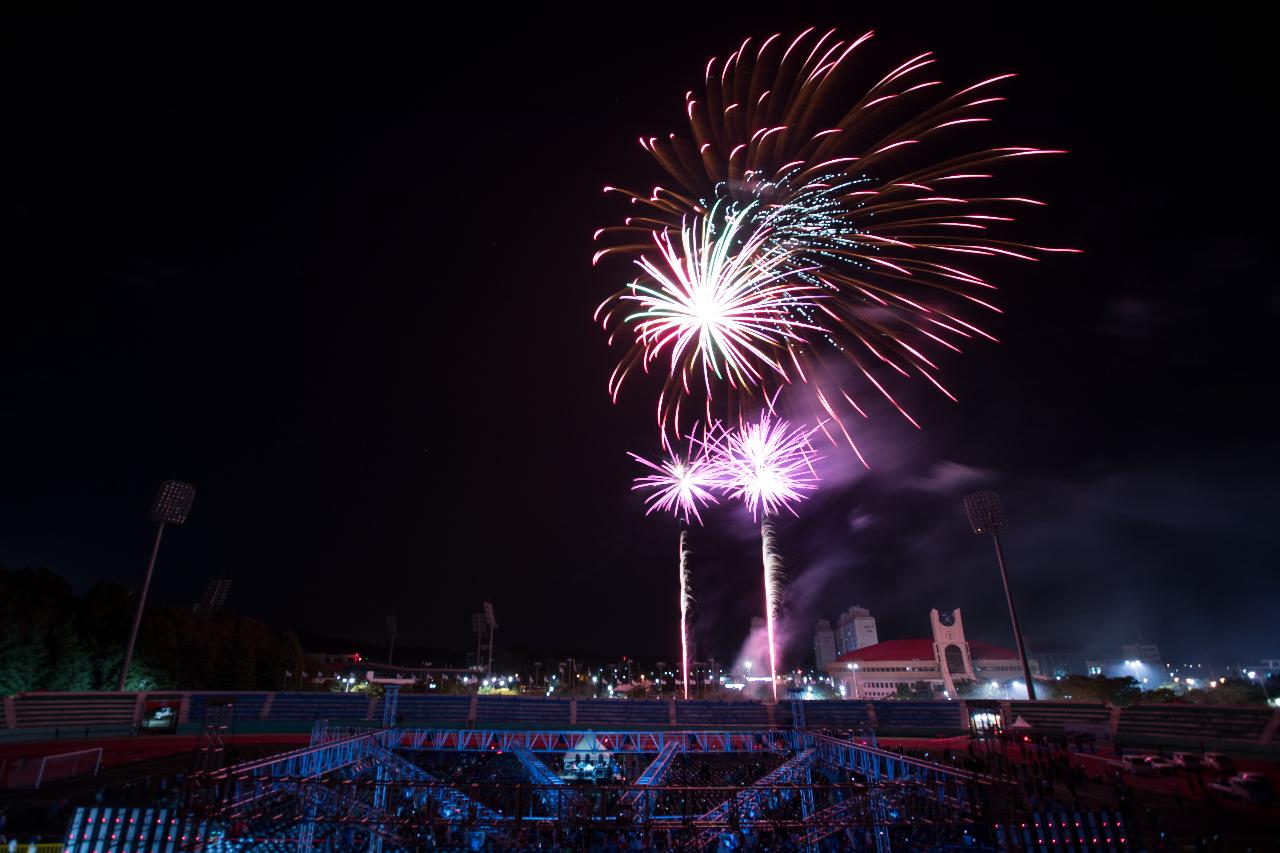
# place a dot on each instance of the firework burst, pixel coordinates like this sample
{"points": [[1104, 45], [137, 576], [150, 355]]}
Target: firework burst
{"points": [[679, 484], [878, 215], [769, 465], [719, 303]]}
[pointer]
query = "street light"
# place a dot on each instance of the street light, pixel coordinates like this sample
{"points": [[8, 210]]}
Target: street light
{"points": [[986, 515], [171, 506]]}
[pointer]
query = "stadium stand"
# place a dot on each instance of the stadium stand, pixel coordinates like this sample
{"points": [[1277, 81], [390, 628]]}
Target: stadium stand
{"points": [[745, 714], [1057, 717], [318, 706], [612, 713], [248, 706], [533, 712], [74, 709], [30, 716], [918, 717], [1190, 724], [423, 710], [838, 714]]}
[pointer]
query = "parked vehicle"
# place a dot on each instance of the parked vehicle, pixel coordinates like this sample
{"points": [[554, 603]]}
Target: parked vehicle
{"points": [[1136, 764], [1188, 760], [1248, 787], [1219, 761], [1160, 765]]}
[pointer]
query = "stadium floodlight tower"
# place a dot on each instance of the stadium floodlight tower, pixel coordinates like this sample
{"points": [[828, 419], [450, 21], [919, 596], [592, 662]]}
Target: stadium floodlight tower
{"points": [[483, 626], [171, 506], [986, 515]]}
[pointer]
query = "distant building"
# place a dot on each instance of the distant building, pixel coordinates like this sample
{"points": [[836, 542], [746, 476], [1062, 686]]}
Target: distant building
{"points": [[824, 644], [855, 629], [941, 665]]}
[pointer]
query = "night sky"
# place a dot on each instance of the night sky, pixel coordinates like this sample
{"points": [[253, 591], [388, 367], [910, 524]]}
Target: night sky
{"points": [[337, 274]]}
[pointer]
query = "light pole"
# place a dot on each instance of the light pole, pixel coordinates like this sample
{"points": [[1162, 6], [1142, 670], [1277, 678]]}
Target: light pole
{"points": [[986, 515], [171, 506]]}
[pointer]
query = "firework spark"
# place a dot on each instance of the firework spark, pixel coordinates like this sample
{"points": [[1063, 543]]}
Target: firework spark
{"points": [[768, 464], [680, 484], [881, 207], [720, 303]]}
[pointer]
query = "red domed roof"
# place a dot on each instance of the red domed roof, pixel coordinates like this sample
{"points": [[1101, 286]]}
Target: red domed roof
{"points": [[921, 650]]}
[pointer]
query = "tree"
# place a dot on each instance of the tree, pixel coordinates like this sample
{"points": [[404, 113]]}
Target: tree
{"points": [[22, 660], [915, 690], [53, 640], [71, 669], [1124, 690]]}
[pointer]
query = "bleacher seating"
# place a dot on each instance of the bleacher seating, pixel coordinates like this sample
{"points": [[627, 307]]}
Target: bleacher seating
{"points": [[48, 710], [318, 706], [521, 711], [729, 714], [1049, 716], [419, 709], [1190, 724], [919, 717], [835, 713], [248, 706], [614, 713]]}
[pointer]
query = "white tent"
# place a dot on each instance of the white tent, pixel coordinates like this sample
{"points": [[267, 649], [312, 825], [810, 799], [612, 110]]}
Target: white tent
{"points": [[588, 750]]}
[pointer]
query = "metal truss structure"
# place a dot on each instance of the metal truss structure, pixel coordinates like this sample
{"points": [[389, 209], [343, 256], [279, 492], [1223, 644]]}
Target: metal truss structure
{"points": [[615, 741], [635, 800], [364, 788], [744, 808], [540, 773]]}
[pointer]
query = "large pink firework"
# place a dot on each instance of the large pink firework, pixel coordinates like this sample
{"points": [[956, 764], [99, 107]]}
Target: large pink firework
{"points": [[768, 464], [884, 205], [679, 484]]}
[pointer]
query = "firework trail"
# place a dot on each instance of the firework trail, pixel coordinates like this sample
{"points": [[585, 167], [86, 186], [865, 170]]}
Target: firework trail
{"points": [[773, 580], [679, 485], [769, 465], [686, 599], [876, 217]]}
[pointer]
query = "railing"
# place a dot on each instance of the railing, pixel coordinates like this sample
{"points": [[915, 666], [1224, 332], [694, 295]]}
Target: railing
{"points": [[57, 716], [615, 741], [30, 773]]}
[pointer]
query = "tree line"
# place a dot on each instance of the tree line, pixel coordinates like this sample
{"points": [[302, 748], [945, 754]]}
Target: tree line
{"points": [[53, 639]]}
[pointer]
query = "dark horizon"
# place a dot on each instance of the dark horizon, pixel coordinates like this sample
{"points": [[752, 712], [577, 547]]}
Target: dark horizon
{"points": [[338, 276]]}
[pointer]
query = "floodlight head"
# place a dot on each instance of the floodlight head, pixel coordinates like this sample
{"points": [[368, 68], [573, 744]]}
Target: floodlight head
{"points": [[173, 502], [986, 515]]}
